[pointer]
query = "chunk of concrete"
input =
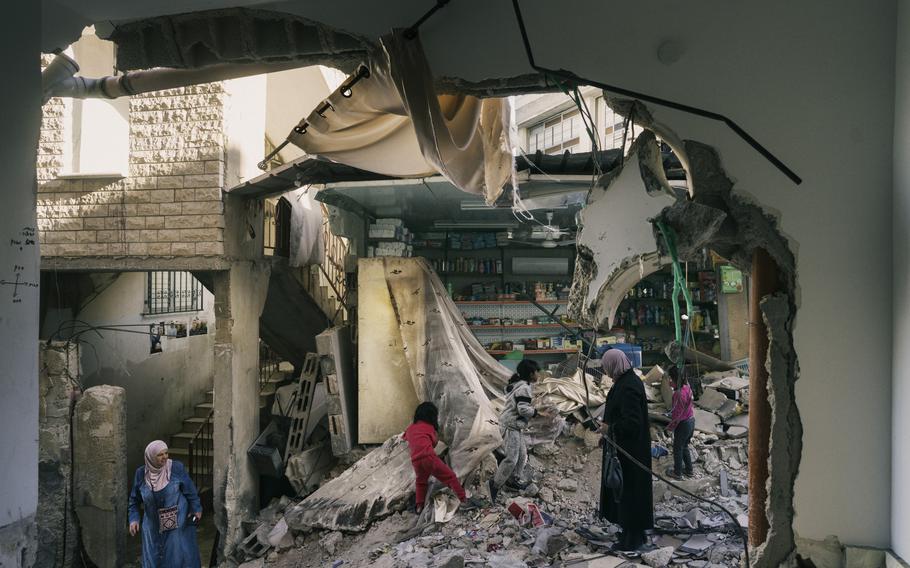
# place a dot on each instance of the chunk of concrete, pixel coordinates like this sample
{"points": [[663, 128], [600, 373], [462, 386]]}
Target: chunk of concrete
{"points": [[58, 363], [862, 557], [828, 553], [711, 400], [99, 474], [658, 558]]}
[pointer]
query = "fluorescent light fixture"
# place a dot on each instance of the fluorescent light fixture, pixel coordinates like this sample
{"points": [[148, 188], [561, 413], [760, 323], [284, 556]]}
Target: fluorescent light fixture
{"points": [[477, 206], [475, 224]]}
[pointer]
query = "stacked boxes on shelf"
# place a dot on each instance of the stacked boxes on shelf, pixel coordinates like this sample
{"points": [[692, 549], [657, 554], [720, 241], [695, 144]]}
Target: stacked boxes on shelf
{"points": [[389, 237]]}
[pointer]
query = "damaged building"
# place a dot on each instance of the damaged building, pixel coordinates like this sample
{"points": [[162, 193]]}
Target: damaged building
{"points": [[263, 234]]}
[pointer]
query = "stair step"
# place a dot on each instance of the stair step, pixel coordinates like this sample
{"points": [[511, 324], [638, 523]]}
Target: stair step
{"points": [[203, 410], [210, 396], [192, 424], [182, 440]]}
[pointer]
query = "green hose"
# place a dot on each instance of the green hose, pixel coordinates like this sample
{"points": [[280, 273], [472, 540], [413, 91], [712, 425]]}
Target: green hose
{"points": [[679, 283]]}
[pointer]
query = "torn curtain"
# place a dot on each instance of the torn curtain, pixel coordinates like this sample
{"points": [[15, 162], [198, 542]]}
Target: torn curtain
{"points": [[393, 123]]}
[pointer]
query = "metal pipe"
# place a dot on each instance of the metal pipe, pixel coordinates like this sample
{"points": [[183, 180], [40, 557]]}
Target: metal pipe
{"points": [[136, 82], [764, 282], [672, 351]]}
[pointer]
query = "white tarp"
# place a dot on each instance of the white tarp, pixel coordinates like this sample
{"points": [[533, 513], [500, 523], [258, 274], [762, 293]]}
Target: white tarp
{"points": [[393, 123], [307, 247]]}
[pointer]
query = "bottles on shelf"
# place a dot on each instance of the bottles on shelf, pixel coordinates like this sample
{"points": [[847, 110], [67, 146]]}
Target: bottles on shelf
{"points": [[467, 265]]}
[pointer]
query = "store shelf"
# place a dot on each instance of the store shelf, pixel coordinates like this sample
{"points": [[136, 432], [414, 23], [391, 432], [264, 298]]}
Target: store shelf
{"points": [[497, 274], [682, 302], [385, 240], [507, 302], [534, 351], [526, 326]]}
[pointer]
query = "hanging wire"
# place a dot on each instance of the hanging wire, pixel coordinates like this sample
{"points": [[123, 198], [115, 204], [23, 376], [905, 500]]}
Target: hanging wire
{"points": [[576, 79]]}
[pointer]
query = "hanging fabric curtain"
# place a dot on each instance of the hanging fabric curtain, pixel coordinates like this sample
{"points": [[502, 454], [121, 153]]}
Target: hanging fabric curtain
{"points": [[393, 123]]}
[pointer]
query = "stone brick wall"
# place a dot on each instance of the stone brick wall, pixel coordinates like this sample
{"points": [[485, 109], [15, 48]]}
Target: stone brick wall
{"points": [[170, 203]]}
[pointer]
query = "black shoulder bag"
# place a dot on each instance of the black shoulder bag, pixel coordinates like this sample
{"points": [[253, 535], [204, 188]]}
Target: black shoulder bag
{"points": [[612, 469]]}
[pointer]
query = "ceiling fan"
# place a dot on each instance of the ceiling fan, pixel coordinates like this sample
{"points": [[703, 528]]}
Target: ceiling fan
{"points": [[545, 236]]}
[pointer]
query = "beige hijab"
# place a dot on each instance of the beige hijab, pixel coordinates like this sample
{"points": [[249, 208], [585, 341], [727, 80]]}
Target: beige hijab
{"points": [[615, 363], [156, 477]]}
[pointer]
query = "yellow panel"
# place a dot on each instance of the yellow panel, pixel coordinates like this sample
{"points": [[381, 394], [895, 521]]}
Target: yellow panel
{"points": [[386, 392]]}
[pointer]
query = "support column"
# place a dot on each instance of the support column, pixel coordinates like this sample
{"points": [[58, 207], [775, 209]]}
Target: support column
{"points": [[239, 298], [20, 123], [764, 281]]}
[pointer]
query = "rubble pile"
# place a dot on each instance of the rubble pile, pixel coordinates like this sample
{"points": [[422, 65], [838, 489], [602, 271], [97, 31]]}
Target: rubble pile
{"points": [[552, 522]]}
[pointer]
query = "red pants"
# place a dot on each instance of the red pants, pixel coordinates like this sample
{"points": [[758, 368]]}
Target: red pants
{"points": [[432, 465]]}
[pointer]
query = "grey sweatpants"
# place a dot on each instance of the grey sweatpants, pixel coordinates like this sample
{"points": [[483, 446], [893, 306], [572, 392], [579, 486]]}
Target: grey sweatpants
{"points": [[516, 460]]}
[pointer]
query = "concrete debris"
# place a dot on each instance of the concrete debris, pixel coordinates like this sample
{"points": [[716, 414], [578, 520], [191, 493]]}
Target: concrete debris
{"points": [[330, 541], [492, 537], [658, 558]]}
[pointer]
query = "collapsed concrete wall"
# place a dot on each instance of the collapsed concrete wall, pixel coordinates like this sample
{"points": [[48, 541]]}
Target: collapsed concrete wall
{"points": [[57, 382], [714, 218], [99, 461]]}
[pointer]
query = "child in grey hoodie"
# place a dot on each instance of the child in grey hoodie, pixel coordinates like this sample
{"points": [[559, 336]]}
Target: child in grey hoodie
{"points": [[512, 422]]}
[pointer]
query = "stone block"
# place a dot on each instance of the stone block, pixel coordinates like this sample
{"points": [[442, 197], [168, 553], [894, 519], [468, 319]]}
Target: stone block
{"points": [[149, 235], [137, 196], [200, 235], [203, 208], [208, 194], [159, 249], [154, 222], [67, 224], [205, 180], [86, 237], [169, 209], [93, 223], [210, 249], [134, 222], [60, 237], [161, 196], [214, 167], [188, 194], [100, 476], [140, 249], [107, 236], [117, 248], [90, 249], [183, 249], [170, 182], [146, 209]]}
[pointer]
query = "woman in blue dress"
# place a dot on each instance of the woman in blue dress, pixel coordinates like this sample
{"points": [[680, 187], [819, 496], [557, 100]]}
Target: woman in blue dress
{"points": [[171, 510]]}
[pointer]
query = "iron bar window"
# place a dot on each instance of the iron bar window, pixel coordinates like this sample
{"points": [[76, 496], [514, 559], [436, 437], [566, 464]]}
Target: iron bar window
{"points": [[172, 291]]}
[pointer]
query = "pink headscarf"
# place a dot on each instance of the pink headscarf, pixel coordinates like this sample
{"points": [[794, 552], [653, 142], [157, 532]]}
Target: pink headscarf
{"points": [[156, 477], [615, 363]]}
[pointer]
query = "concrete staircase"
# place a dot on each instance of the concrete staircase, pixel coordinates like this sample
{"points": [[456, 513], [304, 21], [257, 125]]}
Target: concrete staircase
{"points": [[180, 443]]}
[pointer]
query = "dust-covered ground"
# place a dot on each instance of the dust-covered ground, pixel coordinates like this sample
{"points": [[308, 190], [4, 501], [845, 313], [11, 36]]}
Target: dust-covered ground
{"points": [[566, 489]]}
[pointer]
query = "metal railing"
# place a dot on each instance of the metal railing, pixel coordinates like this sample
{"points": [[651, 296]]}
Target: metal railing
{"points": [[200, 453], [268, 364]]}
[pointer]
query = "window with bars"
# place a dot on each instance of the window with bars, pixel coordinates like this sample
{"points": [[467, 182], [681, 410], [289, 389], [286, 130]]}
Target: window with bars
{"points": [[172, 291], [556, 134]]}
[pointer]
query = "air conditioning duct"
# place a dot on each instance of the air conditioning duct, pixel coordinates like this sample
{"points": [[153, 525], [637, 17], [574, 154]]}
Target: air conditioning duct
{"points": [[540, 266]]}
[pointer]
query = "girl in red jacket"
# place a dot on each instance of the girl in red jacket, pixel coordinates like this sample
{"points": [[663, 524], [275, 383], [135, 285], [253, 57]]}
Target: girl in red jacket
{"points": [[421, 437]]}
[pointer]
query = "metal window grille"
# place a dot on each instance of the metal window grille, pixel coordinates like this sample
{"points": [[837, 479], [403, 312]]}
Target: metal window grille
{"points": [[172, 291]]}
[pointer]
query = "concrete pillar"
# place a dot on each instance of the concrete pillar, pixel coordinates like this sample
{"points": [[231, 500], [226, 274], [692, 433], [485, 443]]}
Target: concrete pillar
{"points": [[99, 472], [239, 298], [59, 366], [20, 123]]}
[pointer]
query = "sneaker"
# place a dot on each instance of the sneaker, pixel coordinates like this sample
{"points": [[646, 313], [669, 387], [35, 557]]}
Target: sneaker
{"points": [[673, 475], [689, 474], [516, 485], [494, 491], [471, 504]]}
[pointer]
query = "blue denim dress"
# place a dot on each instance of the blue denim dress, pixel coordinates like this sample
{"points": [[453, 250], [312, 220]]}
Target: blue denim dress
{"points": [[175, 548]]}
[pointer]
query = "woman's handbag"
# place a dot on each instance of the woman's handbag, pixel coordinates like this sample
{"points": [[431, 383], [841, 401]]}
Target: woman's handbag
{"points": [[612, 469]]}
